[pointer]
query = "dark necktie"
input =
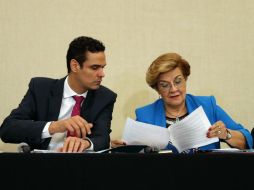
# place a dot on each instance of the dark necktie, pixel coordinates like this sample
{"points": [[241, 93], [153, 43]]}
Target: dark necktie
{"points": [[76, 110]]}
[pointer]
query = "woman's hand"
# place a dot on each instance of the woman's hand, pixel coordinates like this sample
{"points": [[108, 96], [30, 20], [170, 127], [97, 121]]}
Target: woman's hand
{"points": [[219, 130], [117, 143]]}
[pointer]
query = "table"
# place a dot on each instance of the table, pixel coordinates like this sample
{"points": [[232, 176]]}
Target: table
{"points": [[130, 170]]}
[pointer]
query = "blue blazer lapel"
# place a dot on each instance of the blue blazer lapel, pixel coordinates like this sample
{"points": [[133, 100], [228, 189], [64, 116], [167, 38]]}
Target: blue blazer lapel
{"points": [[160, 116], [190, 104]]}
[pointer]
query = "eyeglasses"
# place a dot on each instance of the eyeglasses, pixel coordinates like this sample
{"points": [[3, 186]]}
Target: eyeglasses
{"points": [[164, 86]]}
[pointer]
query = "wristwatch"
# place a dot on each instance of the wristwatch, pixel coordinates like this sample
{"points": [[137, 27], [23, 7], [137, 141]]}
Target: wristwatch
{"points": [[229, 136]]}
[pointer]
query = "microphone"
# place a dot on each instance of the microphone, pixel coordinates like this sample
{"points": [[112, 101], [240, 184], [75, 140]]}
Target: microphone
{"points": [[150, 149], [24, 148]]}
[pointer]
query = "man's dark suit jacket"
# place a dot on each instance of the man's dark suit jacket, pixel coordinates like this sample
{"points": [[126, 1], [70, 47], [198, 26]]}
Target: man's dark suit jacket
{"points": [[42, 103]]}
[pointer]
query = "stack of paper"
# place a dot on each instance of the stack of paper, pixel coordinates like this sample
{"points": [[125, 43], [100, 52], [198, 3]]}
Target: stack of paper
{"points": [[138, 133], [191, 132], [186, 134]]}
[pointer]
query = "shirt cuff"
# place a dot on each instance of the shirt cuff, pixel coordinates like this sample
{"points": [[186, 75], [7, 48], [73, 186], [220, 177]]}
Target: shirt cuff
{"points": [[91, 147], [45, 133]]}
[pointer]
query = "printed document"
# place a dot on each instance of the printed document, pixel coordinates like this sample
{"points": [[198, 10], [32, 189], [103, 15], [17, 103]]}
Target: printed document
{"points": [[139, 133], [191, 131]]}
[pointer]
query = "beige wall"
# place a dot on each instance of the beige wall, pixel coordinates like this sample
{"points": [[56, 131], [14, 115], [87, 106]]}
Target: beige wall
{"points": [[215, 36]]}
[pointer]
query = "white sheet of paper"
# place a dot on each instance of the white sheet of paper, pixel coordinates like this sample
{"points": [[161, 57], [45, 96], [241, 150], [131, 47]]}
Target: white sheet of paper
{"points": [[139, 133], [44, 151], [191, 131], [227, 150]]}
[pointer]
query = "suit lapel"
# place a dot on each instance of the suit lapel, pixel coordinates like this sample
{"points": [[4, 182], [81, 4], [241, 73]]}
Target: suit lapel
{"points": [[160, 116], [87, 107], [55, 100]]}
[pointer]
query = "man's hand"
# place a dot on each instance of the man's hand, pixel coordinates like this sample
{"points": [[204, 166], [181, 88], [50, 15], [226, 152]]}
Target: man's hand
{"points": [[75, 125], [75, 144]]}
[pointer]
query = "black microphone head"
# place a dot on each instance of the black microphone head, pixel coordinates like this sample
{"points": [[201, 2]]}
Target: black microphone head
{"points": [[24, 148], [150, 149]]}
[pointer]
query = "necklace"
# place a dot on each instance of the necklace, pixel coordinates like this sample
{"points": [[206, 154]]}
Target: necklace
{"points": [[175, 116]]}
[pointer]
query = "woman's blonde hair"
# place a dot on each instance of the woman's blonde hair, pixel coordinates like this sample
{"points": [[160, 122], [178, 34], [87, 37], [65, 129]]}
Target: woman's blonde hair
{"points": [[164, 63]]}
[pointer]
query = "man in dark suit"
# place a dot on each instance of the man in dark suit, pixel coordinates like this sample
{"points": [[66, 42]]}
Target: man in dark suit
{"points": [[44, 115]]}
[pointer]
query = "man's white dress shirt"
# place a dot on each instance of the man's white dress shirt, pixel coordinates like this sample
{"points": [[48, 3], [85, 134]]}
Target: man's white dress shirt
{"points": [[67, 105]]}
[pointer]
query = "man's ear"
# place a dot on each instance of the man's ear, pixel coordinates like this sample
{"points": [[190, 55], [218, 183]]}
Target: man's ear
{"points": [[74, 65]]}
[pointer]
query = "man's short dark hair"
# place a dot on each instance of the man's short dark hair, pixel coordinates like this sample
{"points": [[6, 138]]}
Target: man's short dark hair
{"points": [[79, 47]]}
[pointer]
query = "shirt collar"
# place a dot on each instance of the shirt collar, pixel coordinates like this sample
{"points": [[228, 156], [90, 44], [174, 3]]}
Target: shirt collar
{"points": [[68, 92]]}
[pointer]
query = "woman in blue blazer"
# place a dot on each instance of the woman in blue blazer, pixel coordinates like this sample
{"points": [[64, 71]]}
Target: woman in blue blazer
{"points": [[168, 75]]}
